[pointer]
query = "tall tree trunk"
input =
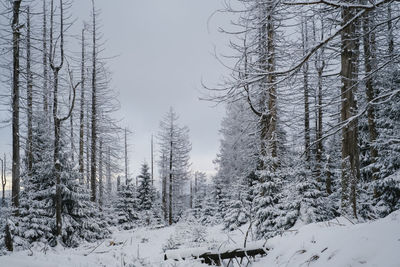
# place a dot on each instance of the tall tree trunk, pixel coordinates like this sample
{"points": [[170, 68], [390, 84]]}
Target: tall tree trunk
{"points": [[152, 162], [87, 147], [369, 58], [15, 107], [304, 34], [29, 96], [170, 184], [164, 187], [191, 194], [272, 93], [101, 189], [56, 120], [94, 111], [71, 133], [319, 64], [268, 107], [82, 111], [126, 158], [350, 154], [3, 178], [45, 67], [109, 171]]}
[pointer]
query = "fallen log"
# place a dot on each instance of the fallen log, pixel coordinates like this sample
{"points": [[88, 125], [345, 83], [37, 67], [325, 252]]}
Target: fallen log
{"points": [[211, 257]]}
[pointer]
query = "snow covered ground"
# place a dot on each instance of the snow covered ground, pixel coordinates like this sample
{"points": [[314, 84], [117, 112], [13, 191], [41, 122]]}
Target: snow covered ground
{"points": [[336, 243]]}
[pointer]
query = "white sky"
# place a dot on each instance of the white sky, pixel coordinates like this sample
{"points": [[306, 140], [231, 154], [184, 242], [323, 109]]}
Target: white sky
{"points": [[165, 49]]}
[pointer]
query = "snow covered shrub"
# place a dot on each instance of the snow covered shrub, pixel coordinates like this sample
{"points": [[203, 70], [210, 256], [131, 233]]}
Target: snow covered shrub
{"points": [[172, 243], [389, 198]]}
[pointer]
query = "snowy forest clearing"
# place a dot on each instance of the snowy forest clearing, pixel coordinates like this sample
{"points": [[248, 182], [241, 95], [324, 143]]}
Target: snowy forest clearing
{"points": [[334, 243]]}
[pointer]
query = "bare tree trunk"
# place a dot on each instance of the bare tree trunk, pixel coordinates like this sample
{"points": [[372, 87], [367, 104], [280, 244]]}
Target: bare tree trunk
{"points": [[3, 179], [164, 188], [71, 127], [170, 184], [126, 158], [390, 31], [152, 162], [109, 171], [350, 155], [45, 67], [268, 114], [82, 111], [369, 58], [87, 147], [57, 121], [8, 242], [94, 111], [304, 34], [15, 107], [320, 66], [29, 96], [101, 172], [191, 194], [272, 102], [170, 192]]}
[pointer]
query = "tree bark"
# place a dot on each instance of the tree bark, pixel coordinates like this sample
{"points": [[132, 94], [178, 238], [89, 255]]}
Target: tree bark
{"points": [[45, 67], [82, 112], [101, 189], [109, 171], [29, 96], [369, 58], [94, 111], [350, 154], [170, 183], [126, 158], [164, 188], [15, 107], [306, 96]]}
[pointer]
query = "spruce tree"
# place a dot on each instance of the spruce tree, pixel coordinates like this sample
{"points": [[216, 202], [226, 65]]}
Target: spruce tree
{"points": [[145, 190]]}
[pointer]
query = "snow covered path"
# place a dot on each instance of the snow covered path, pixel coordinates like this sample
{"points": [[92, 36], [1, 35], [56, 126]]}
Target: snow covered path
{"points": [[337, 243], [140, 247]]}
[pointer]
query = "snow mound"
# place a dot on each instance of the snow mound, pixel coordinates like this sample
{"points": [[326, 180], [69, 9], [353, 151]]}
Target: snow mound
{"points": [[338, 243]]}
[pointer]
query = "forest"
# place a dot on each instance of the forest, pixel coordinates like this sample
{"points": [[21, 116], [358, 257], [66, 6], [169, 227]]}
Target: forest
{"points": [[309, 149]]}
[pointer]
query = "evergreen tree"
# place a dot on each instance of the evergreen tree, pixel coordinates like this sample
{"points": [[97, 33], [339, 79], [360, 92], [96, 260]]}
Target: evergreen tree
{"points": [[145, 190], [126, 207], [82, 220]]}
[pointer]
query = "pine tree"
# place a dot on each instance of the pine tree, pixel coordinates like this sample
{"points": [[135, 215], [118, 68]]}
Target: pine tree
{"points": [[145, 190], [81, 218], [126, 207], [37, 205]]}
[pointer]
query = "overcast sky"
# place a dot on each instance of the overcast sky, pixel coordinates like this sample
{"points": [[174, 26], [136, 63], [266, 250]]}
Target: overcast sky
{"points": [[165, 48]]}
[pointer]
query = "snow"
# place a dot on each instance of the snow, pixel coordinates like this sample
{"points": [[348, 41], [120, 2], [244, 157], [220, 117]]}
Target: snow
{"points": [[338, 243], [328, 244]]}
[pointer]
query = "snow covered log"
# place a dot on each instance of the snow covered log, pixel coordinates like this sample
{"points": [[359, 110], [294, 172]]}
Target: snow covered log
{"points": [[214, 257]]}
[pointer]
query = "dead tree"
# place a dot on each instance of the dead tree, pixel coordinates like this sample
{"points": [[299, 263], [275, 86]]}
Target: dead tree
{"points": [[3, 177], [126, 157], [101, 189], [57, 120], [304, 35], [94, 110], [45, 56], [15, 26], [29, 96], [82, 111]]}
